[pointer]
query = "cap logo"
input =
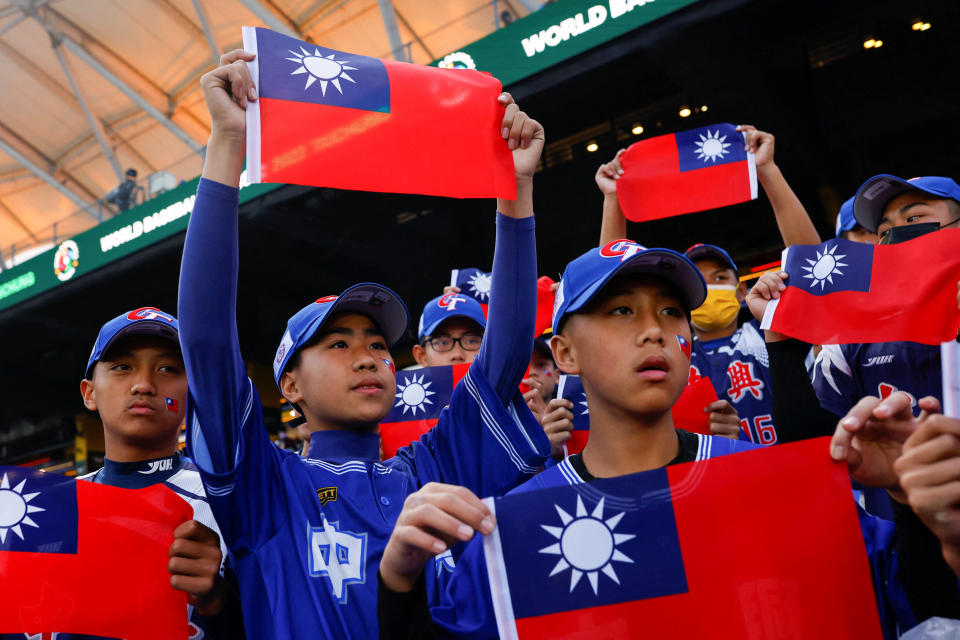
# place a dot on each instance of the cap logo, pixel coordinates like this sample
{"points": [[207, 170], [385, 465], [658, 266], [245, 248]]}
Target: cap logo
{"points": [[325, 299], [148, 313], [282, 350], [450, 301], [623, 249]]}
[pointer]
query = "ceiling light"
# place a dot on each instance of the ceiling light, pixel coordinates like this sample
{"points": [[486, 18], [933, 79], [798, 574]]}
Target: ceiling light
{"points": [[703, 108], [684, 112], [869, 44], [637, 129], [920, 25], [878, 44], [593, 146]]}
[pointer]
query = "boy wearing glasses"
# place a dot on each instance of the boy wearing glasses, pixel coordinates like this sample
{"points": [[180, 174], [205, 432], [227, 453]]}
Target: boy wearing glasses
{"points": [[451, 329]]}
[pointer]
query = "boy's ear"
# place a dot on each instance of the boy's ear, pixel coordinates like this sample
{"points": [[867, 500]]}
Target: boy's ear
{"points": [[86, 390], [420, 355], [564, 354], [289, 387]]}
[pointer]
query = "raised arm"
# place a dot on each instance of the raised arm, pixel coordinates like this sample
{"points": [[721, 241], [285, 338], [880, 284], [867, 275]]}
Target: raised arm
{"points": [[508, 340], [614, 224], [792, 219]]}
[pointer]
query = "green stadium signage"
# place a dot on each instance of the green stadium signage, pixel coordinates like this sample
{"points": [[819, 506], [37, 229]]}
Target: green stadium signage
{"points": [[123, 235], [555, 33]]}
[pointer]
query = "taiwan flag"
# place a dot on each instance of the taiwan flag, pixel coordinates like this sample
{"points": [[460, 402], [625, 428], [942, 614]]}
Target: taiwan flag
{"points": [[678, 553], [843, 292], [328, 118], [688, 411], [421, 395], [684, 172], [84, 558], [570, 388], [474, 283], [546, 297]]}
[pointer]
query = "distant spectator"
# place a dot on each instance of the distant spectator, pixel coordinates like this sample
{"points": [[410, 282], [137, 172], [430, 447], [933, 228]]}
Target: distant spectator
{"points": [[123, 194]]}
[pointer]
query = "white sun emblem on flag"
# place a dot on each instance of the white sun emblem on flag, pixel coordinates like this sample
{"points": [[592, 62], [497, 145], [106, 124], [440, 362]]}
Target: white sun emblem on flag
{"points": [[14, 510], [825, 267], [712, 146], [413, 394], [479, 284], [587, 544], [325, 69], [586, 409]]}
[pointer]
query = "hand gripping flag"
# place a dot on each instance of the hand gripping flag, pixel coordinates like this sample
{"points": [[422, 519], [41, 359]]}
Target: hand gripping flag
{"points": [[684, 172], [333, 119], [421, 395], [86, 558], [688, 410], [848, 292], [649, 554], [474, 283]]}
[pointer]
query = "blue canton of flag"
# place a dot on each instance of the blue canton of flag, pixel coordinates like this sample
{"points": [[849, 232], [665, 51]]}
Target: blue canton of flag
{"points": [[835, 265], [38, 512], [710, 146], [571, 388], [421, 394], [472, 282], [610, 541], [292, 71]]}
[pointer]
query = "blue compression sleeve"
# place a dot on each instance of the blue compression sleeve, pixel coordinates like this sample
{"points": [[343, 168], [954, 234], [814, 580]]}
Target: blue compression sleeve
{"points": [[208, 324], [508, 340]]}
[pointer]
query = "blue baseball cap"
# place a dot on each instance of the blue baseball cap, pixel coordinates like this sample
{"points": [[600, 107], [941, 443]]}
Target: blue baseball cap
{"points": [[449, 305], [845, 219], [874, 195], [701, 250], [143, 321], [375, 301], [586, 276]]}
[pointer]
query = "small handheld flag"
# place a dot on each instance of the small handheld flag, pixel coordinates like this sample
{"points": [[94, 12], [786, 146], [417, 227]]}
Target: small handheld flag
{"points": [[843, 292], [421, 396], [475, 283], [570, 388], [323, 113], [635, 555], [56, 528], [684, 172]]}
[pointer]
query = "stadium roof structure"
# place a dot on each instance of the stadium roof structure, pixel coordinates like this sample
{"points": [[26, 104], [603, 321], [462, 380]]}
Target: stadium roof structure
{"points": [[94, 87]]}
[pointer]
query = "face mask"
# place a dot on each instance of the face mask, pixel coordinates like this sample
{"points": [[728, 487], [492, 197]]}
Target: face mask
{"points": [[896, 235], [718, 310]]}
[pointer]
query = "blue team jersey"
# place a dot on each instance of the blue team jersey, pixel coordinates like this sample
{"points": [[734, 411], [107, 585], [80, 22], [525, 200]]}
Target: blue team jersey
{"points": [[465, 608], [307, 534], [843, 374], [739, 368]]}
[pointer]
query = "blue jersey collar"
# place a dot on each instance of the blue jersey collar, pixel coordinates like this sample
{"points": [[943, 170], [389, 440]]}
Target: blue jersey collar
{"points": [[139, 474], [344, 446]]}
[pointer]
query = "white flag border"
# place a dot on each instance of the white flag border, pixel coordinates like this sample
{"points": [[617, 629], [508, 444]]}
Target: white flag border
{"points": [[950, 370], [499, 585], [771, 309], [253, 108], [752, 171]]}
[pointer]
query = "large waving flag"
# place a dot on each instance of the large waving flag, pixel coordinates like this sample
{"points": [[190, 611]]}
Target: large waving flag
{"points": [[678, 553], [333, 119], [684, 172], [86, 558], [688, 410], [421, 395], [848, 292]]}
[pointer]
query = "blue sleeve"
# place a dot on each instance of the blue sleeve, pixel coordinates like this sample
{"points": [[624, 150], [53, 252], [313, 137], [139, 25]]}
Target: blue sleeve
{"points": [[508, 340], [833, 380], [464, 609], [225, 434], [478, 442]]}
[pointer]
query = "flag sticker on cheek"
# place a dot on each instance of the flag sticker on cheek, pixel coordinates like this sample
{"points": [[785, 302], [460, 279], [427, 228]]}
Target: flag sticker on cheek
{"points": [[172, 405], [684, 345], [390, 366]]}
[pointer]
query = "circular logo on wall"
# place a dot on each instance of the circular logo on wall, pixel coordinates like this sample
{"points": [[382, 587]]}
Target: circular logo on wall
{"points": [[457, 60], [65, 260]]}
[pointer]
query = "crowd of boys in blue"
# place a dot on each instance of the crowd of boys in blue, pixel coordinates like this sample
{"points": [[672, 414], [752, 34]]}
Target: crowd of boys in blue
{"points": [[339, 543]]}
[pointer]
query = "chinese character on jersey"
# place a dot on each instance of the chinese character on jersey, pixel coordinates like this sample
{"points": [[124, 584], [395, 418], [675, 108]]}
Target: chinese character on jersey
{"points": [[340, 555], [742, 381]]}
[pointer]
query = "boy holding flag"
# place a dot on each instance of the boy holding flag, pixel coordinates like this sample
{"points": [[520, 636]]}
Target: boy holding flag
{"points": [[308, 532]]}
